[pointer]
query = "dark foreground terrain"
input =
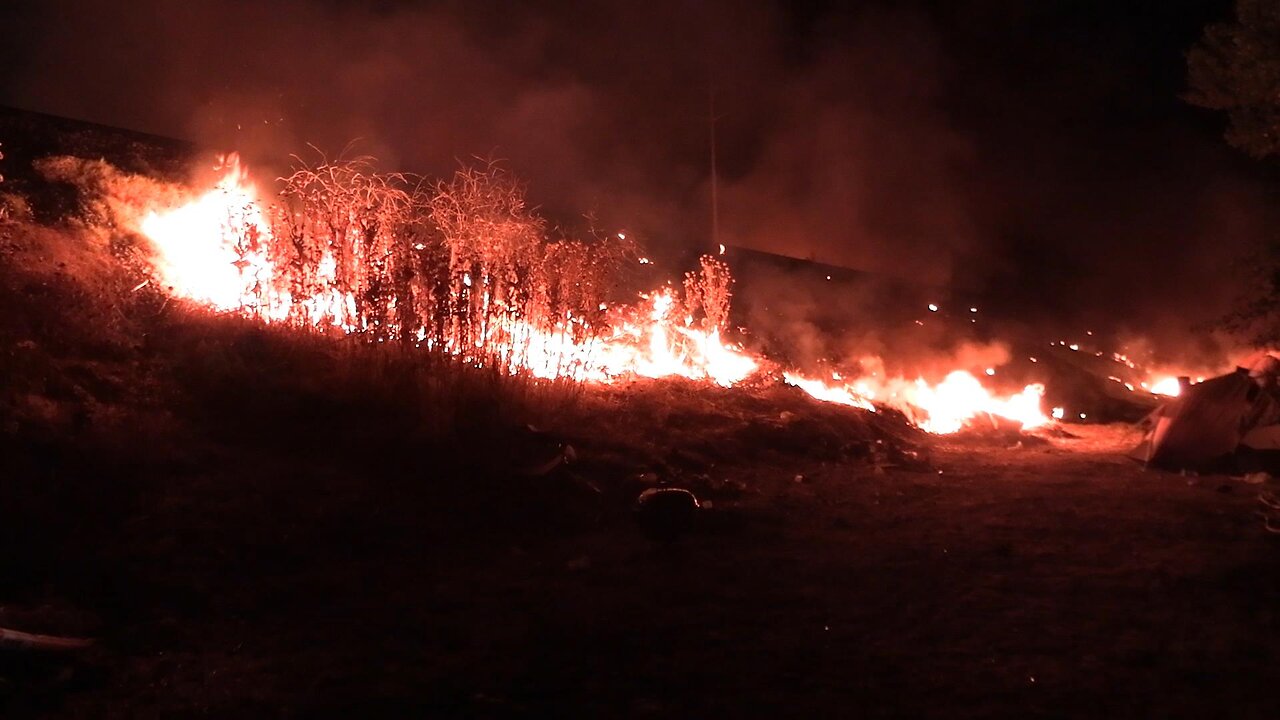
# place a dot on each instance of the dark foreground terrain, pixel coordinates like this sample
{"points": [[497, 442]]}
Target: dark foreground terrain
{"points": [[254, 524], [1015, 582]]}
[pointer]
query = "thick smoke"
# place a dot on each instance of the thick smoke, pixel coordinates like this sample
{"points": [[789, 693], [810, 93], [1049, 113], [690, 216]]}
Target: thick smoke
{"points": [[862, 167], [1032, 154]]}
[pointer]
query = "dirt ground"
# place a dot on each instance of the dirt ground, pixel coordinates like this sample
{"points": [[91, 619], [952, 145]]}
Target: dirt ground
{"points": [[1046, 580]]}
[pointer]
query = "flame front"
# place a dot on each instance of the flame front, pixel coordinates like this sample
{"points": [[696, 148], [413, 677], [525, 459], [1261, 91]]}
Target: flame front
{"points": [[214, 250], [1168, 386], [940, 409], [217, 250], [201, 246]]}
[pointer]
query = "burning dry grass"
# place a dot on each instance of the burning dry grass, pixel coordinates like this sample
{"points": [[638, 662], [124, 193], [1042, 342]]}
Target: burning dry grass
{"points": [[97, 356], [460, 266], [462, 269], [92, 355], [123, 395]]}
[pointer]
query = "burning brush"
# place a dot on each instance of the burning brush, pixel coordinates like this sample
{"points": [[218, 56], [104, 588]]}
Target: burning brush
{"points": [[462, 267]]}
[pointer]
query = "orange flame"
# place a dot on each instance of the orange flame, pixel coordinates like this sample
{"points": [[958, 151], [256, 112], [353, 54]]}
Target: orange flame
{"points": [[202, 247], [940, 409], [1168, 385], [213, 250]]}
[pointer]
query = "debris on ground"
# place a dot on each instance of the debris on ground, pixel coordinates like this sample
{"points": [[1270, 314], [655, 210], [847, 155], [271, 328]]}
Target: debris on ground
{"points": [[17, 639], [666, 513]]}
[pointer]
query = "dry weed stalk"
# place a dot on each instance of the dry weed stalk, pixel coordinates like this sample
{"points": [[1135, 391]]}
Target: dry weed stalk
{"points": [[461, 266], [344, 232], [709, 291]]}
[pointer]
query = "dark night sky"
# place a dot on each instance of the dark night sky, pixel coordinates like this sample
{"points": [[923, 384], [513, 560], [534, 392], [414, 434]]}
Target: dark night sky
{"points": [[1036, 151]]}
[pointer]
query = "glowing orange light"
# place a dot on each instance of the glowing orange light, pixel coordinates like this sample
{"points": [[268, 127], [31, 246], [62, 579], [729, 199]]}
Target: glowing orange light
{"points": [[941, 409], [1166, 386], [214, 249]]}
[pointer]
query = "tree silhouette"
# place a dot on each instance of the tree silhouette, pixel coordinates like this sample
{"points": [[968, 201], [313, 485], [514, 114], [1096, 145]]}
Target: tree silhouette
{"points": [[1236, 68]]}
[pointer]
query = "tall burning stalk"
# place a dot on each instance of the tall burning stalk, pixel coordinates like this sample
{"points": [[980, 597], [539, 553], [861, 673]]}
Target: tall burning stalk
{"points": [[463, 268]]}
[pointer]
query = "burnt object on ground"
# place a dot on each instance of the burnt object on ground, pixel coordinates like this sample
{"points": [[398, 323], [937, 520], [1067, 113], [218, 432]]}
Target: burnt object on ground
{"points": [[666, 514]]}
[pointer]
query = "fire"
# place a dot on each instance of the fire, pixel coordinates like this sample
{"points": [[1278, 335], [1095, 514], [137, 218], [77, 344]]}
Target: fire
{"points": [[203, 248], [960, 397], [1166, 386], [941, 409], [841, 394], [214, 250], [218, 249]]}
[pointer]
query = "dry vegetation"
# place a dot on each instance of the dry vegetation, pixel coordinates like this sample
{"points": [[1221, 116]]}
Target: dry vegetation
{"points": [[461, 265], [463, 262], [708, 292]]}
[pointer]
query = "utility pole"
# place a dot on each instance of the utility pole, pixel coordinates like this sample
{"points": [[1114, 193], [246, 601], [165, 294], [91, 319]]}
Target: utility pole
{"points": [[715, 191]]}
